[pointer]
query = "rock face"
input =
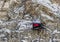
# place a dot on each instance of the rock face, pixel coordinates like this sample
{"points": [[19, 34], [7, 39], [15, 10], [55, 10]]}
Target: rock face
{"points": [[16, 17], [3, 15]]}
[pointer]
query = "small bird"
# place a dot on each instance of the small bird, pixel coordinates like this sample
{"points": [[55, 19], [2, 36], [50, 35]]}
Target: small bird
{"points": [[37, 25]]}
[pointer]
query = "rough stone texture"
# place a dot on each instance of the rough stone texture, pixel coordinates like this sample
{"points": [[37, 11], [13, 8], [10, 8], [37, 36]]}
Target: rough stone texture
{"points": [[16, 17]]}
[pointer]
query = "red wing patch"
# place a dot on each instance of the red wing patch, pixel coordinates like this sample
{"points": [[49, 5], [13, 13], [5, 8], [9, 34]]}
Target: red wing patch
{"points": [[35, 25]]}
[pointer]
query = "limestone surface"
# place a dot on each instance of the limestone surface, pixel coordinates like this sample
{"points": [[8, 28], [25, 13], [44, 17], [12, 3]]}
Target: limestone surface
{"points": [[16, 18]]}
